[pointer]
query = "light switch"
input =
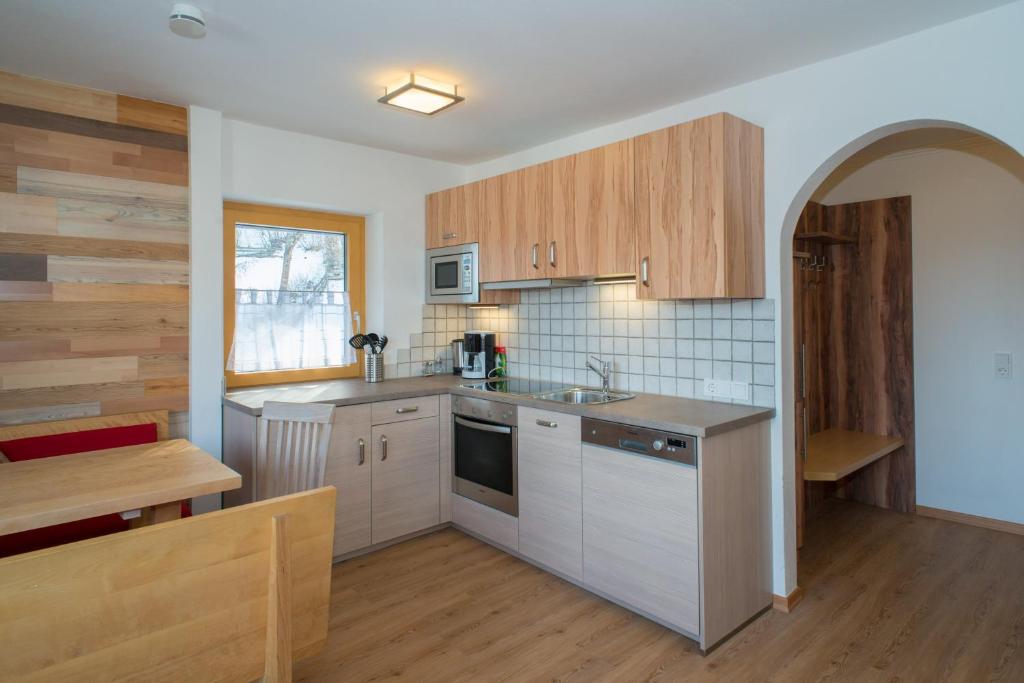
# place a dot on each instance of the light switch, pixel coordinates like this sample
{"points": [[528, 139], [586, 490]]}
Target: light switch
{"points": [[1003, 365]]}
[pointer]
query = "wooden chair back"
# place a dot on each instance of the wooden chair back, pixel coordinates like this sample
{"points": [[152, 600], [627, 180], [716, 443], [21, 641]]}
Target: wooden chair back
{"points": [[228, 596], [291, 447]]}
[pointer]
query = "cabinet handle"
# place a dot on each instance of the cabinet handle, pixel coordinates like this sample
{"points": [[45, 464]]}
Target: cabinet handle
{"points": [[645, 279], [533, 257], [547, 423], [449, 235], [383, 448], [362, 451], [411, 409], [551, 253]]}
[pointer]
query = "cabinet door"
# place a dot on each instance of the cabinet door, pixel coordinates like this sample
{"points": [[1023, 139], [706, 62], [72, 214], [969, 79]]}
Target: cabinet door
{"points": [[572, 251], [447, 218], [406, 478], [495, 235], [700, 210], [640, 534], [348, 470], [550, 502], [603, 199], [534, 250]]}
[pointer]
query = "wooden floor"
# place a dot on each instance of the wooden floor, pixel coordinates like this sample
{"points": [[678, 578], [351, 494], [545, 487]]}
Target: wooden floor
{"points": [[889, 597]]}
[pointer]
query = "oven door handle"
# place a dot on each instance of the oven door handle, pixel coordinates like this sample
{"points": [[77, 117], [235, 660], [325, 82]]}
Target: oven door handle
{"points": [[497, 429]]}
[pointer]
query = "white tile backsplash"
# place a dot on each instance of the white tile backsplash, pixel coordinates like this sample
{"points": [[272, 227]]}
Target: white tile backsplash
{"points": [[666, 347]]}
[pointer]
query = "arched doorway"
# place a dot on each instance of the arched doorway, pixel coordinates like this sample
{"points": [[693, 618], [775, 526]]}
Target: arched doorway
{"points": [[827, 169]]}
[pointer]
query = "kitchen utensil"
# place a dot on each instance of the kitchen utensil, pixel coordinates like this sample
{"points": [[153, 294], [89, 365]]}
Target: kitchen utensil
{"points": [[383, 343], [357, 341], [374, 340], [373, 367]]}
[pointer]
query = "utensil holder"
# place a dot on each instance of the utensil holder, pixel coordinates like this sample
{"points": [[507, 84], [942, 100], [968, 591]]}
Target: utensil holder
{"points": [[373, 367]]}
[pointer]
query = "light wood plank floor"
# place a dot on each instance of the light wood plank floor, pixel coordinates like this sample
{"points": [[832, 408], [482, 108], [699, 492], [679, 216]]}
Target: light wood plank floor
{"points": [[890, 597]]}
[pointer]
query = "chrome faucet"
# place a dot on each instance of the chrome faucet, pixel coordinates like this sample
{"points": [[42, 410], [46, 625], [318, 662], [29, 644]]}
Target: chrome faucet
{"points": [[605, 370]]}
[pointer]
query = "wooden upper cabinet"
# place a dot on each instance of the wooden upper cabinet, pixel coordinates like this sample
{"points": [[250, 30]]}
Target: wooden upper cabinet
{"points": [[448, 218], [700, 210], [498, 211], [603, 238]]}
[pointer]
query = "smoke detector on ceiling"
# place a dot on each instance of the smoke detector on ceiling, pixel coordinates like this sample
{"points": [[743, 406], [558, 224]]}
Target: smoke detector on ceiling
{"points": [[187, 21]]}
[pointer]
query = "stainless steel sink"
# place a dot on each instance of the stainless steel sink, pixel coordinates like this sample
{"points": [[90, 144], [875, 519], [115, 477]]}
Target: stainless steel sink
{"points": [[582, 396]]}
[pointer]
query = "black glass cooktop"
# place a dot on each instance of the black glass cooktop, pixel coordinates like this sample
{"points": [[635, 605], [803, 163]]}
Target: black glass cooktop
{"points": [[517, 386]]}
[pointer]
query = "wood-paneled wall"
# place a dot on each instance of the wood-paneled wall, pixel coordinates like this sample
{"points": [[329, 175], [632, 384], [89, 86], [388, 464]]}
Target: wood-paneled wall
{"points": [[94, 253], [871, 325], [855, 322]]}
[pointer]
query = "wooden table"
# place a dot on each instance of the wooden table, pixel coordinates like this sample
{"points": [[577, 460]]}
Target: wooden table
{"points": [[152, 477]]}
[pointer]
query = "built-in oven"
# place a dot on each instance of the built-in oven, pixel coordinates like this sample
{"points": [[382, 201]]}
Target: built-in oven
{"points": [[484, 448], [453, 274]]}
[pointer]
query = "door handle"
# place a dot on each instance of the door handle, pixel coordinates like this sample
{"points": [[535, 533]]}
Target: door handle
{"points": [[645, 279], [383, 448], [533, 256], [449, 235], [547, 423], [362, 451], [551, 253], [411, 409]]}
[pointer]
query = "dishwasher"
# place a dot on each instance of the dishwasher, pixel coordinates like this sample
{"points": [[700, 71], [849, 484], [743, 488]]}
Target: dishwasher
{"points": [[640, 520]]}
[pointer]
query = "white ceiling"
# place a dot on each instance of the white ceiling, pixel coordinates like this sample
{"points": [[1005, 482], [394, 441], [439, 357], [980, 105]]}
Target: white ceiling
{"points": [[531, 71]]}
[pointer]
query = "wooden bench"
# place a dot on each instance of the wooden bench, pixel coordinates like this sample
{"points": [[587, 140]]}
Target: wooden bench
{"points": [[229, 596]]}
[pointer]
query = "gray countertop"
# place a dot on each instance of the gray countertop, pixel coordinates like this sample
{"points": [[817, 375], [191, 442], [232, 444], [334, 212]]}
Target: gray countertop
{"points": [[668, 413]]}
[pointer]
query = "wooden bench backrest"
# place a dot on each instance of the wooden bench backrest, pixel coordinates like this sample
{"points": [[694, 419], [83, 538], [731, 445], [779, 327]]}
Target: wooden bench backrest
{"points": [[82, 424], [194, 599]]}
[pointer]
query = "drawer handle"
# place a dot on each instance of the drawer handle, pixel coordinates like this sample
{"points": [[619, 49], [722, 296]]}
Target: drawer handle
{"points": [[383, 448], [449, 235], [362, 451], [547, 423], [411, 409]]}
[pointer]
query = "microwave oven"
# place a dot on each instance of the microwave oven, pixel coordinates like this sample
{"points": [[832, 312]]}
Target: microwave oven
{"points": [[453, 274]]}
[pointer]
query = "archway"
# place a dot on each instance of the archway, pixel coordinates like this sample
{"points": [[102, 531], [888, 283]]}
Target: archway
{"points": [[786, 299]]}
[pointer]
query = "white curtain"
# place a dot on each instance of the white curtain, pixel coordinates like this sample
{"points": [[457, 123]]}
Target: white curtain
{"points": [[282, 330]]}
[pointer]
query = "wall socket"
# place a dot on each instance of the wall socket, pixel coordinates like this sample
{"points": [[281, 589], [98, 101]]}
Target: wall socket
{"points": [[1003, 365], [724, 389]]}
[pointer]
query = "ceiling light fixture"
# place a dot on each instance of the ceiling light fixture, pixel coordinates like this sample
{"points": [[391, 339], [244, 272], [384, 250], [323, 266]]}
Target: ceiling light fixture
{"points": [[187, 21], [421, 94]]}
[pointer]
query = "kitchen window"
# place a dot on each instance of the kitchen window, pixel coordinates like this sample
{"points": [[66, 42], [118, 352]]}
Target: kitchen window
{"points": [[294, 292]]}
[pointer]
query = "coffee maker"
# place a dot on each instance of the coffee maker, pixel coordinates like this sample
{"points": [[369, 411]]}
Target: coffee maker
{"points": [[477, 354]]}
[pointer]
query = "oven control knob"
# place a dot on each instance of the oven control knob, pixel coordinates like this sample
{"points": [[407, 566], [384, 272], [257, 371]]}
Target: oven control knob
{"points": [[657, 444]]}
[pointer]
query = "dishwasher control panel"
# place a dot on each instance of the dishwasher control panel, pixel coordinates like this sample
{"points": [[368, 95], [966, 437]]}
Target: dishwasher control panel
{"points": [[679, 448]]}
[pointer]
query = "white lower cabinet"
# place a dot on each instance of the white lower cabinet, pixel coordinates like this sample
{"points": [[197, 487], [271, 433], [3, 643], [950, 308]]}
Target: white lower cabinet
{"points": [[388, 475], [550, 499], [405, 493], [640, 534], [348, 470]]}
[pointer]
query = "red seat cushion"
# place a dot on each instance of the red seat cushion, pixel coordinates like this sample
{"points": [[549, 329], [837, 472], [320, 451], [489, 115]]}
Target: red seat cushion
{"points": [[52, 445]]}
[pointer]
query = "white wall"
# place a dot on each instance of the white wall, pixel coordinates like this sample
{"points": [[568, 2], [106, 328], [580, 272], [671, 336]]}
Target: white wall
{"points": [[272, 166], [814, 117], [206, 275], [968, 245]]}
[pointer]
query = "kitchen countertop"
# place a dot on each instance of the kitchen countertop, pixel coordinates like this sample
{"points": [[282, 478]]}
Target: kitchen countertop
{"points": [[668, 413]]}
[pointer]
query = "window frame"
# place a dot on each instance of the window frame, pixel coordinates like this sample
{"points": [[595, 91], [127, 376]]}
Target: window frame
{"points": [[354, 228]]}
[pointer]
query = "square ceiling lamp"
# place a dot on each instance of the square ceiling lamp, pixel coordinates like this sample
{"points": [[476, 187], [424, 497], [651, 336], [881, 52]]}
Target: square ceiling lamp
{"points": [[421, 94]]}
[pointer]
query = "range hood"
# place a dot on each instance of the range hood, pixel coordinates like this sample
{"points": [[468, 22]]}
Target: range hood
{"points": [[546, 283]]}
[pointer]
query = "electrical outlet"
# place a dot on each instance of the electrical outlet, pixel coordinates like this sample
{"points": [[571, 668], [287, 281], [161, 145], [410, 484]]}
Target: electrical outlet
{"points": [[713, 387], [740, 390], [1003, 365]]}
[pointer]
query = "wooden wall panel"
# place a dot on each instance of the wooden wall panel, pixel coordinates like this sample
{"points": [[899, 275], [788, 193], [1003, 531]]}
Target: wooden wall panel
{"points": [[94, 253], [872, 347]]}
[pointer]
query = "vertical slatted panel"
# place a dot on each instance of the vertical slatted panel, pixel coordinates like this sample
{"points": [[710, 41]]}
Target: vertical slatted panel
{"points": [[292, 452]]}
